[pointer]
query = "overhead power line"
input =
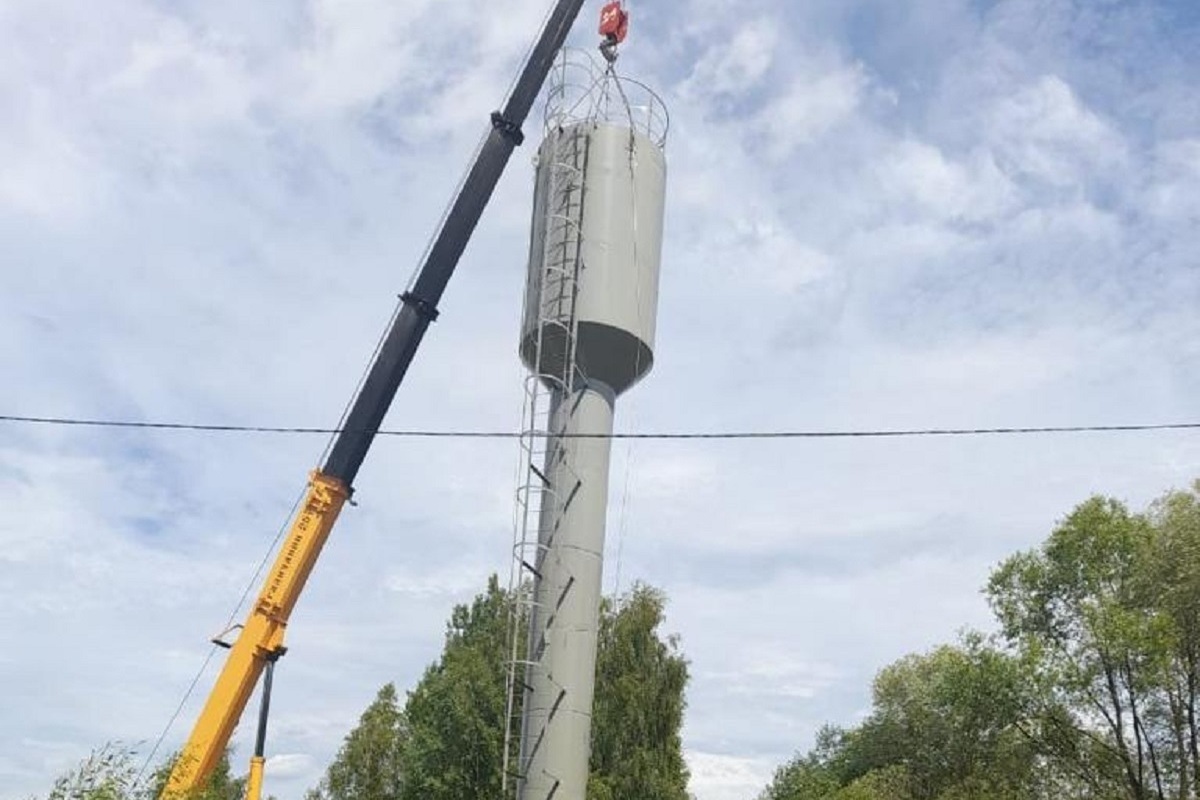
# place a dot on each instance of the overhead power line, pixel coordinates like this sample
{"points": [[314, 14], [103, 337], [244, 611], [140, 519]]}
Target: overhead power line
{"points": [[660, 436]]}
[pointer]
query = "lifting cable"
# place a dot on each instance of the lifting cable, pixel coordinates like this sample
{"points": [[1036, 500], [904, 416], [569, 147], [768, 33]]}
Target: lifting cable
{"points": [[624, 513]]}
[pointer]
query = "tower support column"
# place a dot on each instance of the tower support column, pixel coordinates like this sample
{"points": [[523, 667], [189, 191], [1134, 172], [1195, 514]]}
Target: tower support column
{"points": [[564, 628]]}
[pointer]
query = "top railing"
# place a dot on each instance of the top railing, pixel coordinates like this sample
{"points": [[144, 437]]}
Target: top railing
{"points": [[582, 89]]}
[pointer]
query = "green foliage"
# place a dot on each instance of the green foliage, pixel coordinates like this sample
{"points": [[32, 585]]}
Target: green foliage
{"points": [[949, 717], [1090, 692], [638, 710], [945, 725], [452, 737], [111, 773], [815, 775], [456, 712], [106, 774], [887, 783], [1086, 611], [369, 765], [222, 784]]}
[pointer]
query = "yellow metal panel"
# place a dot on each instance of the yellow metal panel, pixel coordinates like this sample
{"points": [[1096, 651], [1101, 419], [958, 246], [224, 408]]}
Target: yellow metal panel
{"points": [[254, 783], [261, 635]]}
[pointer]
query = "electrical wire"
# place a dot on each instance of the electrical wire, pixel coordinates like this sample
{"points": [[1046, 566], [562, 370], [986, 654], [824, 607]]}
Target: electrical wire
{"points": [[866, 433]]}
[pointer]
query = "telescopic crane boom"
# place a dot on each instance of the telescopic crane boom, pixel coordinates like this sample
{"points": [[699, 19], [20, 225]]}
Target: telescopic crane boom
{"points": [[259, 641]]}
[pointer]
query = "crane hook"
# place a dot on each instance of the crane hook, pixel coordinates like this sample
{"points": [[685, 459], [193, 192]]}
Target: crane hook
{"points": [[614, 27]]}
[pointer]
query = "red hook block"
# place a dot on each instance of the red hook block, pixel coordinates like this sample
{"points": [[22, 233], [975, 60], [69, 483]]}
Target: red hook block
{"points": [[614, 22]]}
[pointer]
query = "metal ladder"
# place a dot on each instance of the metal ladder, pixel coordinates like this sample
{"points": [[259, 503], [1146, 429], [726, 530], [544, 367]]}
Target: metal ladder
{"points": [[555, 373]]}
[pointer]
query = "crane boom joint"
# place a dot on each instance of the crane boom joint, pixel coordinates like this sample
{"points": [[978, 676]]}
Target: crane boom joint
{"points": [[508, 129], [423, 307]]}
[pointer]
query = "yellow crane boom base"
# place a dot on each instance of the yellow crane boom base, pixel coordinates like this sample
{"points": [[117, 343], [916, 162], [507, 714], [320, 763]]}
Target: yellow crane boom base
{"points": [[261, 636]]}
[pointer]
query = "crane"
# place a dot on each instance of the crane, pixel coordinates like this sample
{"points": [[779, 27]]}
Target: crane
{"points": [[260, 639]]}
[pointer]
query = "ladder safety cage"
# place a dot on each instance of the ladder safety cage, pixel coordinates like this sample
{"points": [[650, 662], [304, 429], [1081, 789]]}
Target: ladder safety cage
{"points": [[551, 306]]}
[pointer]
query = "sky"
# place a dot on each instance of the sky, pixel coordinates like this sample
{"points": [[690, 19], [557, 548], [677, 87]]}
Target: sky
{"points": [[935, 213]]}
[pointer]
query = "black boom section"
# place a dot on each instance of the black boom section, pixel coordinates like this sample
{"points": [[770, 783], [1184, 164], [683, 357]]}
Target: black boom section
{"points": [[420, 305]]}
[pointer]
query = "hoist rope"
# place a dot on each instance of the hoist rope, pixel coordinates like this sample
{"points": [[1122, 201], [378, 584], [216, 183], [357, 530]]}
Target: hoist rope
{"points": [[624, 510]]}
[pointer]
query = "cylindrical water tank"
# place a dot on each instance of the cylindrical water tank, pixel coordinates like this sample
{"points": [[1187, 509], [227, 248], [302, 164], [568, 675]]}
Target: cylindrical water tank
{"points": [[595, 251], [588, 335]]}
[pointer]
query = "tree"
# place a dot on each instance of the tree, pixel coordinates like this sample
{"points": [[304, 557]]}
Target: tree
{"points": [[111, 773], [1174, 570], [106, 774], [1089, 691], [369, 765], [887, 783], [943, 725], [453, 738], [951, 718], [639, 704], [222, 784], [816, 775], [456, 712], [1082, 611]]}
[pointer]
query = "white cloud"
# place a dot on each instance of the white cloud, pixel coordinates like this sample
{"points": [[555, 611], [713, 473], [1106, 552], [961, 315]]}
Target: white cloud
{"points": [[43, 173], [917, 179], [1044, 132], [358, 50], [810, 107], [288, 765], [452, 581], [767, 671], [723, 777], [737, 65], [1174, 193], [673, 476]]}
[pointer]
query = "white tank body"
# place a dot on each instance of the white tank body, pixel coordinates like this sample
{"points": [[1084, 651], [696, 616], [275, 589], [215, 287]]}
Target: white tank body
{"points": [[610, 217]]}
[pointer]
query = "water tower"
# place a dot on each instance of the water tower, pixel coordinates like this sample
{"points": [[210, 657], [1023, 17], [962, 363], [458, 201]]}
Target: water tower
{"points": [[587, 336]]}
